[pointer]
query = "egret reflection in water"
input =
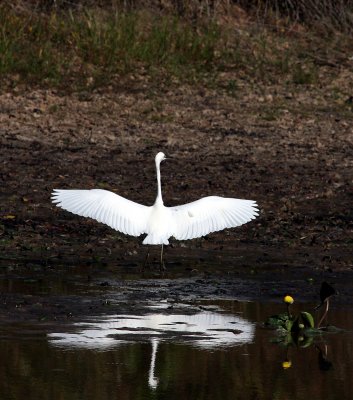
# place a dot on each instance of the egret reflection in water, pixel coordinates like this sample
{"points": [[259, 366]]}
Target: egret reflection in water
{"points": [[202, 329], [152, 380]]}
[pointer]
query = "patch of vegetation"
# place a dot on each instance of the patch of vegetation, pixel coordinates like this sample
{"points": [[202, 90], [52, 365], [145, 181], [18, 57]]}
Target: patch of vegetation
{"points": [[325, 15], [294, 327], [96, 44], [304, 76]]}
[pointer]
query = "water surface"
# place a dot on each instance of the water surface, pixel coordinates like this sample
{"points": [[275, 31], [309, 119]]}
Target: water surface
{"points": [[221, 353]]}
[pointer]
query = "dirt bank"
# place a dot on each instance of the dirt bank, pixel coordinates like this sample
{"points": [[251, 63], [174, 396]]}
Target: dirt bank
{"points": [[289, 148]]}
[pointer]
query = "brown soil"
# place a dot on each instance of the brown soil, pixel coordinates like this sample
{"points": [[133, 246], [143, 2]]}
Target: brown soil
{"points": [[288, 148]]}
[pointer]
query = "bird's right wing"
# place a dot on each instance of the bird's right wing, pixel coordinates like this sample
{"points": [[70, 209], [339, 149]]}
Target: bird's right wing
{"points": [[211, 214], [107, 207]]}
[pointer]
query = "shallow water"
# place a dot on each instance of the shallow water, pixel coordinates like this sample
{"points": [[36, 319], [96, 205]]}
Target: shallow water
{"points": [[184, 352]]}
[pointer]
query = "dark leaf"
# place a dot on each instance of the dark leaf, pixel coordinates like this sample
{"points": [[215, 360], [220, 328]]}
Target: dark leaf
{"points": [[326, 291]]}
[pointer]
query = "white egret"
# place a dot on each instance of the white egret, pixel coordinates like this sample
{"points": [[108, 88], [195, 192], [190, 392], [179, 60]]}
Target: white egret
{"points": [[188, 221]]}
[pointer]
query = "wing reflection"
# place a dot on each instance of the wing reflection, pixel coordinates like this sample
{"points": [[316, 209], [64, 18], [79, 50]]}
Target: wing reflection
{"points": [[203, 329]]}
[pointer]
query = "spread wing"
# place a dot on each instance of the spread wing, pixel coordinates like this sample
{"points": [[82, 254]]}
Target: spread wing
{"points": [[107, 207], [211, 214]]}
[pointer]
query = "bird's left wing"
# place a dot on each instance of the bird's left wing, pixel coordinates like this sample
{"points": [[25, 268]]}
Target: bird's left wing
{"points": [[104, 206], [211, 214]]}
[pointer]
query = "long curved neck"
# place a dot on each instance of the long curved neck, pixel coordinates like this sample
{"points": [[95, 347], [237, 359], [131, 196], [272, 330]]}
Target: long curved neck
{"points": [[159, 187]]}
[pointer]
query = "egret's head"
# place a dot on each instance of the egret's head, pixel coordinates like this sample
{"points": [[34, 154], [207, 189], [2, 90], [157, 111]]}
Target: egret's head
{"points": [[160, 157]]}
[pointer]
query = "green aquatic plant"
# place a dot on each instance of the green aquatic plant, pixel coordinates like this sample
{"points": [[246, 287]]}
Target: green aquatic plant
{"points": [[300, 328], [287, 322]]}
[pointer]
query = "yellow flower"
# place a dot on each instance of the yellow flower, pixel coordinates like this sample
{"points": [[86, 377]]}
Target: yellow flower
{"points": [[288, 300], [286, 364]]}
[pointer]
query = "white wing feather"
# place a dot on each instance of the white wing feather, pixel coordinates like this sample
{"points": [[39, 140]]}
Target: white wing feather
{"points": [[211, 214], [107, 207]]}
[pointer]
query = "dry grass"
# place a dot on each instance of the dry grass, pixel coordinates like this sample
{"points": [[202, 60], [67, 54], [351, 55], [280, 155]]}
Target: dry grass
{"points": [[70, 45], [94, 45], [323, 15]]}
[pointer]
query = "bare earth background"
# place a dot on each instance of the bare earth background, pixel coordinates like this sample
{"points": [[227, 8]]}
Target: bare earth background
{"points": [[288, 147]]}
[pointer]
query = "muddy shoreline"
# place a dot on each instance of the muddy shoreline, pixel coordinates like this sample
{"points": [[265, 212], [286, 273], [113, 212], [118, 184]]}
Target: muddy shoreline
{"points": [[62, 296]]}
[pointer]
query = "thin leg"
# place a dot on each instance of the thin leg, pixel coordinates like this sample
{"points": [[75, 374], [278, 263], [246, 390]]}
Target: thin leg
{"points": [[146, 260], [162, 262]]}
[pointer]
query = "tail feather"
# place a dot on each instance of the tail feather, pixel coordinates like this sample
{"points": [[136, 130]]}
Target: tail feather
{"points": [[155, 239]]}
